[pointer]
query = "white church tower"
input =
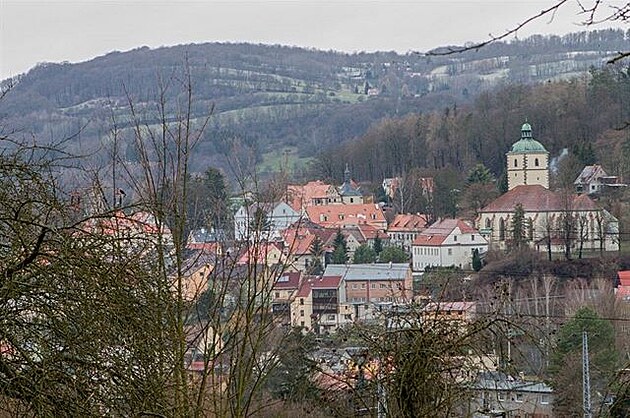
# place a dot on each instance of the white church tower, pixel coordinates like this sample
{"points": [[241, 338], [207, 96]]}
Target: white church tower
{"points": [[527, 161]]}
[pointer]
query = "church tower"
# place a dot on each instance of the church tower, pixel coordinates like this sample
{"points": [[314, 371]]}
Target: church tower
{"points": [[527, 161]]}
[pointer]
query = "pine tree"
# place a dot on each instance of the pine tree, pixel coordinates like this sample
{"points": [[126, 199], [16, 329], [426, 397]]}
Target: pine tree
{"points": [[340, 249], [519, 228]]}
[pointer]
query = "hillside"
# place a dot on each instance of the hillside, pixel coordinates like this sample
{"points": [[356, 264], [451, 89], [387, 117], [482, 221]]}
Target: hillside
{"points": [[280, 101]]}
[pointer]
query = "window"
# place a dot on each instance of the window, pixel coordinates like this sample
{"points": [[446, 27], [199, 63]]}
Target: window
{"points": [[472, 237], [455, 238], [518, 397], [501, 230], [354, 286], [331, 317], [277, 295], [544, 399], [373, 286], [301, 323], [515, 162], [301, 301], [362, 285], [501, 396], [536, 162], [351, 200], [450, 251], [347, 316], [383, 286], [301, 312]]}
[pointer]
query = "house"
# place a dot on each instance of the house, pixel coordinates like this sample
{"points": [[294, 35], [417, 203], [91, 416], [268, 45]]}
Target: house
{"points": [[283, 292], [495, 394], [270, 217], [338, 216], [448, 242], [196, 270], [546, 212], [622, 285], [262, 254], [208, 241], [317, 307], [593, 179], [404, 229], [368, 286], [313, 193]]}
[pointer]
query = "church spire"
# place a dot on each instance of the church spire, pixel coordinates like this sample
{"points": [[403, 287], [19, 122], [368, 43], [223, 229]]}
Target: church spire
{"points": [[346, 175]]}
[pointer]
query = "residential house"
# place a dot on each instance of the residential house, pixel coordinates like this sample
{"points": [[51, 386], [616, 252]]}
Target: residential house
{"points": [[594, 179], [272, 217], [368, 286], [622, 285], [196, 270], [317, 306], [495, 394], [545, 211], [262, 253], [208, 241], [283, 292], [313, 193], [404, 229], [448, 242]]}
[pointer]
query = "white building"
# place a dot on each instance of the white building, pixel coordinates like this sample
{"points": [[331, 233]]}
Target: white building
{"points": [[546, 213], [449, 242], [277, 217]]}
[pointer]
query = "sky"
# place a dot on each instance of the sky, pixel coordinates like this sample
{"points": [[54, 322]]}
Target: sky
{"points": [[78, 30]]}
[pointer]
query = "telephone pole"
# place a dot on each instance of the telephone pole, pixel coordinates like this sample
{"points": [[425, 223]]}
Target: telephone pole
{"points": [[586, 378]]}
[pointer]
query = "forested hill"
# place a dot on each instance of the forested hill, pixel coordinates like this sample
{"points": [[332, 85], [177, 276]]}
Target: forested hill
{"points": [[277, 99]]}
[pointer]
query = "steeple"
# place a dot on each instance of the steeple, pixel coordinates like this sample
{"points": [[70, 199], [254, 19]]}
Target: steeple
{"points": [[346, 174], [527, 161]]}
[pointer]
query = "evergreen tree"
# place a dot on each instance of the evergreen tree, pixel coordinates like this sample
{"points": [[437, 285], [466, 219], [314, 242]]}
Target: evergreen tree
{"points": [[519, 228], [317, 251], [340, 249], [476, 260], [393, 254], [364, 254], [378, 245]]}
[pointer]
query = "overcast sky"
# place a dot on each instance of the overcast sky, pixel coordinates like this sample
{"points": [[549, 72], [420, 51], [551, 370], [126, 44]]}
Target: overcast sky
{"points": [[78, 30]]}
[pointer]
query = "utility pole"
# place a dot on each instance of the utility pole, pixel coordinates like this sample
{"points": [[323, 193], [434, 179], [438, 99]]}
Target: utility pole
{"points": [[586, 378]]}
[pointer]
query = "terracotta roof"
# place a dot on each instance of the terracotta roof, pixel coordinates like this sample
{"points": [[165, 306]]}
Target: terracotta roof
{"points": [[302, 195], [339, 215], [536, 198], [437, 233], [317, 282], [288, 280], [624, 277], [298, 242], [370, 233], [264, 253], [408, 223]]}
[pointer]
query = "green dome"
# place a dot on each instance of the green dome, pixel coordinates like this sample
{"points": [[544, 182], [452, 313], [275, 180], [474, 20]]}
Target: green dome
{"points": [[527, 143]]}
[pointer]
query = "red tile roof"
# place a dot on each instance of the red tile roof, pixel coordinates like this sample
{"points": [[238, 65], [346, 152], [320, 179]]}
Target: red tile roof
{"points": [[317, 282], [288, 280], [536, 198], [339, 215], [624, 277], [408, 223], [437, 233], [302, 195]]}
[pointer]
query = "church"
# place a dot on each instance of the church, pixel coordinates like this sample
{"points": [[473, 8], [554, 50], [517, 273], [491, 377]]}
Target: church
{"points": [[555, 221]]}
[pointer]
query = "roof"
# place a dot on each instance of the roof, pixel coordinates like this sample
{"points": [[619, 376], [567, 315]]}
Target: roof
{"points": [[317, 282], [437, 233], [536, 198], [370, 233], [408, 223], [527, 144], [589, 174], [366, 272], [298, 242], [624, 277], [338, 215], [288, 280], [302, 195], [450, 306], [502, 381]]}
